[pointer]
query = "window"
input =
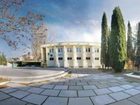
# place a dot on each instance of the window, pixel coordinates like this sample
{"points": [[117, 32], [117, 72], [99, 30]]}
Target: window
{"points": [[96, 58], [78, 58], [60, 58], [69, 49], [51, 59], [87, 49], [96, 50], [87, 58], [69, 58], [78, 49], [51, 50], [60, 50]]}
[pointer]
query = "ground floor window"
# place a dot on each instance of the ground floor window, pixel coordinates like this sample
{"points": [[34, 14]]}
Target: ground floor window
{"points": [[96, 58], [51, 59], [87, 58], [78, 58], [69, 58], [60, 58]]}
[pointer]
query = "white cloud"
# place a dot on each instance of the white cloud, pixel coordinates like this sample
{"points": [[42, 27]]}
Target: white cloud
{"points": [[84, 32]]}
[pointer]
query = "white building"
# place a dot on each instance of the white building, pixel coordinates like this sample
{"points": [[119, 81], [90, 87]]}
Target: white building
{"points": [[71, 54]]}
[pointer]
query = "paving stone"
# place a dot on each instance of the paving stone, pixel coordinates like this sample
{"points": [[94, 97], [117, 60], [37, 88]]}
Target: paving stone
{"points": [[102, 100], [46, 86], [35, 99], [138, 88], [68, 93], [75, 87], [116, 89], [135, 84], [24, 88], [19, 94], [51, 92], [83, 93], [3, 96], [69, 83], [124, 102], [56, 101], [127, 86], [102, 85], [8, 90], [102, 91], [82, 83], [35, 90], [80, 101], [135, 99], [119, 95], [29, 104], [132, 91], [12, 101], [113, 84], [89, 87], [61, 87]]}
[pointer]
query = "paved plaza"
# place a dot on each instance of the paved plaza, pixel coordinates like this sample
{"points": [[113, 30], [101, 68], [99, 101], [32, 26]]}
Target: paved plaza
{"points": [[82, 88]]}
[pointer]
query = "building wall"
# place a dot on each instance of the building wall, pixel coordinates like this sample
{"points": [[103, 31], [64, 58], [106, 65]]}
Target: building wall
{"points": [[76, 55]]}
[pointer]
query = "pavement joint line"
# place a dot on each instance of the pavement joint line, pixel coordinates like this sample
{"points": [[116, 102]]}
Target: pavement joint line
{"points": [[91, 100], [59, 92], [44, 100], [68, 101], [26, 96]]}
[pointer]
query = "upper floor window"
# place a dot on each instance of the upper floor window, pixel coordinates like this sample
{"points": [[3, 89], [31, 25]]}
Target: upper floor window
{"points": [[51, 50], [97, 50], [69, 49], [78, 49], [87, 49], [60, 49]]}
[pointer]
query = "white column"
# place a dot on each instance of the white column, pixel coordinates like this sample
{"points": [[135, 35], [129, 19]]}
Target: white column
{"points": [[84, 57], [92, 56], [65, 56], [74, 57], [56, 57], [47, 58]]}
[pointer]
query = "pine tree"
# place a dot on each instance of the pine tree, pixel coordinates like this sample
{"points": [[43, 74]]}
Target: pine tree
{"points": [[104, 41], [117, 48], [129, 42]]}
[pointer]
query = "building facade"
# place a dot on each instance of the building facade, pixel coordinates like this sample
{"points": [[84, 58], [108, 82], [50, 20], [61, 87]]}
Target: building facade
{"points": [[71, 54]]}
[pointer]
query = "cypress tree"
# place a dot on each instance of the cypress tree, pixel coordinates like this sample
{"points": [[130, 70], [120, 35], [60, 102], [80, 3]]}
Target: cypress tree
{"points": [[104, 41], [117, 48], [129, 42], [138, 41]]}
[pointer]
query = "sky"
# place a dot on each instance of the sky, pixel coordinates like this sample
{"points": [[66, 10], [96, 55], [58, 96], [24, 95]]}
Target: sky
{"points": [[76, 20]]}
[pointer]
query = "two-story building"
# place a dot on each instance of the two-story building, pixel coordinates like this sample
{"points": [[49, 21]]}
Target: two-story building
{"points": [[71, 54]]}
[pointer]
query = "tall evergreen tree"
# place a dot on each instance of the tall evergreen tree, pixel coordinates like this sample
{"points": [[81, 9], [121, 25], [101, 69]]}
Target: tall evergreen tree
{"points": [[129, 42], [138, 41], [117, 48], [104, 41]]}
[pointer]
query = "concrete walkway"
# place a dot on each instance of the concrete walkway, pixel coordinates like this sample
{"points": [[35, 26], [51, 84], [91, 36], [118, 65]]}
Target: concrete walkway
{"points": [[80, 89], [26, 75]]}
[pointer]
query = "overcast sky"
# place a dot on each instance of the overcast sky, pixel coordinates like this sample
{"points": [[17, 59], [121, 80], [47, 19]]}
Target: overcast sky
{"points": [[77, 20]]}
